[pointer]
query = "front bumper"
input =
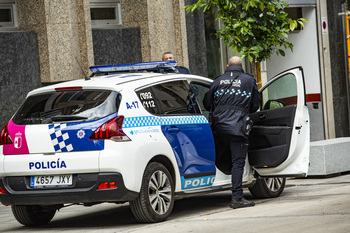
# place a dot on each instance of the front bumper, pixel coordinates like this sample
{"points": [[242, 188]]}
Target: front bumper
{"points": [[83, 190]]}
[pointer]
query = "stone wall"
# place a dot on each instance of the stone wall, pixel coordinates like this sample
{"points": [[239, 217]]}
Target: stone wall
{"points": [[64, 36], [197, 53], [162, 25], [19, 70], [113, 46]]}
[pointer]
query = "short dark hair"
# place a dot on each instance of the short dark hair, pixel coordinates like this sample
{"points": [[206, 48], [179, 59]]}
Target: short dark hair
{"points": [[166, 53]]}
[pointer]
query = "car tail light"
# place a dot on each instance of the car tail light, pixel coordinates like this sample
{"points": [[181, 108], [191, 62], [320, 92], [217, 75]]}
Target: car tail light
{"points": [[111, 129], [67, 88], [5, 137], [2, 190], [107, 185]]}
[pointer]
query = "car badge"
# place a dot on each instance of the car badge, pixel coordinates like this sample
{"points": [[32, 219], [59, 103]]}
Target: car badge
{"points": [[18, 140], [81, 134]]}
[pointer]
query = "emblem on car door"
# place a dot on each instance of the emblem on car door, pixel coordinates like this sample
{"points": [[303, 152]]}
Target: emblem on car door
{"points": [[18, 140]]}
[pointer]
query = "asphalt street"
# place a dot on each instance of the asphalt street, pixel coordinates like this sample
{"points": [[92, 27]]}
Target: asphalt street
{"points": [[306, 205]]}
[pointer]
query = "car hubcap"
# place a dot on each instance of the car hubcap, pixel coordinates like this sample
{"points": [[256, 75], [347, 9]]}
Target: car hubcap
{"points": [[274, 184], [160, 192]]}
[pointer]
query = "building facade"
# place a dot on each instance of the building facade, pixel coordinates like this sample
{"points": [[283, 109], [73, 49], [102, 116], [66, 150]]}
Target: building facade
{"points": [[320, 47], [49, 41]]}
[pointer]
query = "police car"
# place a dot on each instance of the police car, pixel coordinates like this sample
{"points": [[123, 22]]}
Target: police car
{"points": [[139, 133]]}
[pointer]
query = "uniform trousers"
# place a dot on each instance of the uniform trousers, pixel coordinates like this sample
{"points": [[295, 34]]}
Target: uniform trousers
{"points": [[237, 148]]}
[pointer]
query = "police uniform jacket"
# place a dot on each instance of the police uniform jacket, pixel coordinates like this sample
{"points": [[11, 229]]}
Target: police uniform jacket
{"points": [[241, 98]]}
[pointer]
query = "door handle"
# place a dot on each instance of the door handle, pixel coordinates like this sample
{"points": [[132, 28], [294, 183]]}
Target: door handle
{"points": [[262, 116], [173, 130]]}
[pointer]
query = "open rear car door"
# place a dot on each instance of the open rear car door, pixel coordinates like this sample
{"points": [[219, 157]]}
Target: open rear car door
{"points": [[280, 137]]}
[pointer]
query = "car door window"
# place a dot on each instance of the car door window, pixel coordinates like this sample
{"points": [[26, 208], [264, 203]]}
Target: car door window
{"points": [[148, 101], [175, 98], [199, 90], [169, 98], [280, 93]]}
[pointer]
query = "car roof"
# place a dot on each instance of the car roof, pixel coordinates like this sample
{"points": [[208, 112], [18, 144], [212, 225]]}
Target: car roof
{"points": [[117, 81]]}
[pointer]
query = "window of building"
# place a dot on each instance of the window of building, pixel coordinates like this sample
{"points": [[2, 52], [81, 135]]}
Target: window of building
{"points": [[295, 13], [105, 13], [8, 15]]}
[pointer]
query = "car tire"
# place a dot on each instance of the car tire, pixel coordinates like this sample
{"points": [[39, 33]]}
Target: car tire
{"points": [[32, 215], [156, 198], [268, 187]]}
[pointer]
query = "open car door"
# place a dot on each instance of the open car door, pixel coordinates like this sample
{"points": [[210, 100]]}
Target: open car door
{"points": [[280, 137]]}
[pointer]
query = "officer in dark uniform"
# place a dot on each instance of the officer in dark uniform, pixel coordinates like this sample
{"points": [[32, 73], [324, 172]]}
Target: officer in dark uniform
{"points": [[181, 69], [231, 97]]}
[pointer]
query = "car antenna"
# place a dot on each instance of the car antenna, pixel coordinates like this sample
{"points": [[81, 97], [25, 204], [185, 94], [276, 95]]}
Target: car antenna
{"points": [[86, 77]]}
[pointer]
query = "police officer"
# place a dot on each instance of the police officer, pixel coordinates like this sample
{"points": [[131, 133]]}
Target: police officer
{"points": [[231, 97], [169, 56]]}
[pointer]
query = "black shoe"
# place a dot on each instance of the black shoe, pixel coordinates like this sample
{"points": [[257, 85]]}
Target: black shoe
{"points": [[240, 203]]}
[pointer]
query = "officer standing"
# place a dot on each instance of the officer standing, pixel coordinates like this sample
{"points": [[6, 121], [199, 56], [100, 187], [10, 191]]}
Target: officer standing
{"points": [[231, 97]]}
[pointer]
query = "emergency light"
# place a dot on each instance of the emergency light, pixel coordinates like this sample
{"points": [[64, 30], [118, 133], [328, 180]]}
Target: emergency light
{"points": [[155, 65]]}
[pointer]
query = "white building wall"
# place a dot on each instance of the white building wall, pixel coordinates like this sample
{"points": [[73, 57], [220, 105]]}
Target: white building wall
{"points": [[305, 54]]}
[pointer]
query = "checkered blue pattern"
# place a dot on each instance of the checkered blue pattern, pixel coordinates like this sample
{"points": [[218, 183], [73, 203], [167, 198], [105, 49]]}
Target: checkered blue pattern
{"points": [[131, 122], [184, 120], [60, 139], [233, 91]]}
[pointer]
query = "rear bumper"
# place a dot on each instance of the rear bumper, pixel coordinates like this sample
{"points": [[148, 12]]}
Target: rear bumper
{"points": [[83, 190]]}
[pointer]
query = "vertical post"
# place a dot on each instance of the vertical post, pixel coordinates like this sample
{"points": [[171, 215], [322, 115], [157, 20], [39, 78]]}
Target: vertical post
{"points": [[347, 18], [326, 74], [258, 75]]}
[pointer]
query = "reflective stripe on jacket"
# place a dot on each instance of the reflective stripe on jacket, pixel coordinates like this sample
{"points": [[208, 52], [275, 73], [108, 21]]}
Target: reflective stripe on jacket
{"points": [[239, 98]]}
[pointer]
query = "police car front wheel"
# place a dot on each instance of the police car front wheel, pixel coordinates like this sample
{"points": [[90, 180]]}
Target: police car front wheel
{"points": [[156, 199]]}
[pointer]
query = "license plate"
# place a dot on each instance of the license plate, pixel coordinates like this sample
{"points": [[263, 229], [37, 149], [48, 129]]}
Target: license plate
{"points": [[51, 181]]}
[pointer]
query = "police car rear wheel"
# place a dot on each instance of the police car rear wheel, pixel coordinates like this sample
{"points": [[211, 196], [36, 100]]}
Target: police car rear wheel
{"points": [[33, 215], [268, 187], [156, 199]]}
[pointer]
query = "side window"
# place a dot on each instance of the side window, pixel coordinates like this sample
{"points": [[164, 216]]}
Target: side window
{"points": [[199, 90], [174, 98], [169, 98], [148, 100], [280, 93]]}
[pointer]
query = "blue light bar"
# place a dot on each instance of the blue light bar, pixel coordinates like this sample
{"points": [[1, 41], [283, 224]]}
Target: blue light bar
{"points": [[134, 66]]}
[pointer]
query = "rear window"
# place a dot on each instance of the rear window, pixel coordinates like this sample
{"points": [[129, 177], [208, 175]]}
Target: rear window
{"points": [[67, 106]]}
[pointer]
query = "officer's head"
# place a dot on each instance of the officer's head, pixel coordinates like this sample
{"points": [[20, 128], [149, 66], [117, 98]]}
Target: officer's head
{"points": [[235, 61], [167, 56]]}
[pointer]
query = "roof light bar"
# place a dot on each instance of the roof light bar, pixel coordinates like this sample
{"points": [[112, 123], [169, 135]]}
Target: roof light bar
{"points": [[134, 66]]}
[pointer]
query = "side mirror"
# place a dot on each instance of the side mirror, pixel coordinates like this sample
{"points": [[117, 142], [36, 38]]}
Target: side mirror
{"points": [[272, 104]]}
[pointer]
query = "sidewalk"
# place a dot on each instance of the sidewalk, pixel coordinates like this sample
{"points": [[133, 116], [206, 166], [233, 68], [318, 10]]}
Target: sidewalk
{"points": [[306, 206]]}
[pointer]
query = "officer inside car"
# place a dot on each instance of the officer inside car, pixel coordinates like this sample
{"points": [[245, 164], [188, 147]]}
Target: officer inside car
{"points": [[231, 97]]}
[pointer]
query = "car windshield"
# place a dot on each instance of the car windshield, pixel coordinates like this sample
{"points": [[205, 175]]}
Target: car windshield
{"points": [[63, 106]]}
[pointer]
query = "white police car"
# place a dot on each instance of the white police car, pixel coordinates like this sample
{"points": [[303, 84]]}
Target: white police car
{"points": [[143, 138]]}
